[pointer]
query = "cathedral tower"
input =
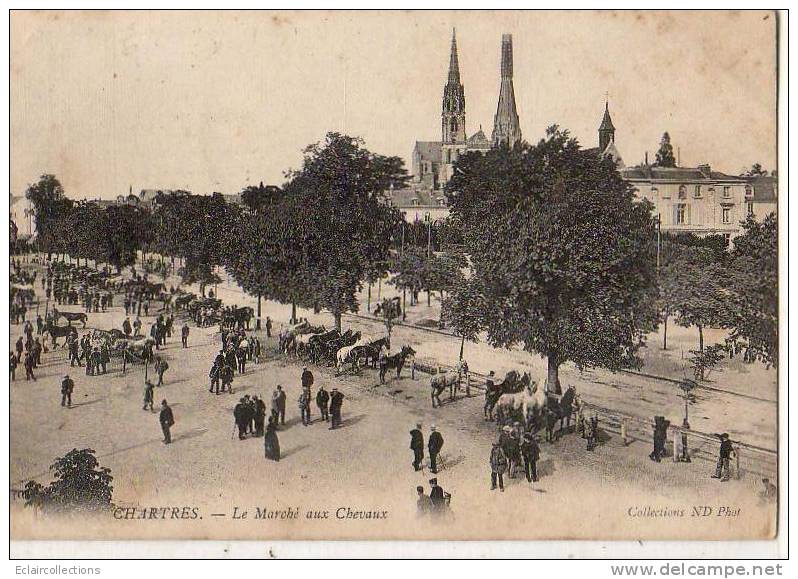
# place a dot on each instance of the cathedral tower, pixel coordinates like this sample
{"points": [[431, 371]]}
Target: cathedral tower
{"points": [[453, 135], [506, 128]]}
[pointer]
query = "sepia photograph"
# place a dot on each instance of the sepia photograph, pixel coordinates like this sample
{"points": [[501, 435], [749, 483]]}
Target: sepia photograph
{"points": [[419, 275]]}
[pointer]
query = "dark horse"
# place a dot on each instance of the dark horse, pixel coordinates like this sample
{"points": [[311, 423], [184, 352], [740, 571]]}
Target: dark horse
{"points": [[368, 352], [72, 317], [58, 332], [396, 361], [559, 409]]}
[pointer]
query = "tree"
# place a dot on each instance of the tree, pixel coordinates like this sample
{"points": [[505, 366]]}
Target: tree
{"points": [[343, 226], [753, 283], [564, 251], [50, 205], [665, 156], [464, 310], [80, 484], [389, 310], [756, 170], [443, 273], [256, 198], [128, 231], [408, 270]]}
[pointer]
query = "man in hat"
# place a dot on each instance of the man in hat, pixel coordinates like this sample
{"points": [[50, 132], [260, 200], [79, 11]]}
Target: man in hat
{"points": [[434, 445], [323, 402], [184, 335], [278, 405], [417, 446], [67, 387], [336, 401], [498, 466], [149, 395], [531, 453], [241, 419], [167, 420], [436, 496], [723, 469], [304, 405], [260, 415]]}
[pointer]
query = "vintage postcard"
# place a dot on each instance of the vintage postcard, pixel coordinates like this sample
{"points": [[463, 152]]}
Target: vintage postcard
{"points": [[394, 275]]}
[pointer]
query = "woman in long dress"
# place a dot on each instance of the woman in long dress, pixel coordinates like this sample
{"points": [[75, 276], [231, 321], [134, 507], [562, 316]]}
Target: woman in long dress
{"points": [[270, 441]]}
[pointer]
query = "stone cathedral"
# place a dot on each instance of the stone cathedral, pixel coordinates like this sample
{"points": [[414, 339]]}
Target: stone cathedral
{"points": [[433, 160]]}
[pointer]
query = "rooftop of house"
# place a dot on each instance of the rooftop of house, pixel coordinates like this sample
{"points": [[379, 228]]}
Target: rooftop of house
{"points": [[410, 197], [677, 174]]}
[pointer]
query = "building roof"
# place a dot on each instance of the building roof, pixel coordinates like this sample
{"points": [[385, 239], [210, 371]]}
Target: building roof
{"points": [[428, 150], [653, 173], [403, 198], [765, 188], [478, 140]]}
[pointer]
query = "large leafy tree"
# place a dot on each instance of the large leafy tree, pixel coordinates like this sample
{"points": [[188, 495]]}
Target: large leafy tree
{"points": [[258, 197], [754, 286], [665, 156], [49, 205], [343, 228], [564, 252], [128, 230]]}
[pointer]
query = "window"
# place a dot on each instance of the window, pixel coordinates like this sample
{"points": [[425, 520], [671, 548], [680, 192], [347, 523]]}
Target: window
{"points": [[727, 191], [682, 192], [726, 215], [750, 208], [727, 239], [415, 202], [697, 192], [681, 214]]}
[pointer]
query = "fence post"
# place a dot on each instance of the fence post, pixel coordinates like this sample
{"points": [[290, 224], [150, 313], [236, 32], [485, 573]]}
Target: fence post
{"points": [[623, 432], [468, 384], [413, 370]]}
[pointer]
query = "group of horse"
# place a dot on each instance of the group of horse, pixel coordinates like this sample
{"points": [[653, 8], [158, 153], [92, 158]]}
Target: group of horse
{"points": [[520, 399], [341, 349]]}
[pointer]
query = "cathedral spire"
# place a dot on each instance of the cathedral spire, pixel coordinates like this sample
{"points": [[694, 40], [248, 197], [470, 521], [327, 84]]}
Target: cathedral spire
{"points": [[506, 127], [454, 65]]}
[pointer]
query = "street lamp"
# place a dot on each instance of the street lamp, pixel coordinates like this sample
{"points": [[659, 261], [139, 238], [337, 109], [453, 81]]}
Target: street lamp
{"points": [[686, 386]]}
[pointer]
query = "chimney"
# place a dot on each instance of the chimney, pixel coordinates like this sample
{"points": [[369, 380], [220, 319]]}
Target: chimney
{"points": [[705, 170], [646, 158]]}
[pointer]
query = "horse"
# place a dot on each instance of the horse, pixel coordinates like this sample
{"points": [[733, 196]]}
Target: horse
{"points": [[317, 342], [303, 341], [396, 361], [72, 317], [56, 332], [513, 382], [529, 402], [371, 351], [439, 382]]}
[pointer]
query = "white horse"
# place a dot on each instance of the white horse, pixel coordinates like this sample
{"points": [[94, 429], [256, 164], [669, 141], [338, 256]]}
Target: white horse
{"points": [[451, 379], [529, 401]]}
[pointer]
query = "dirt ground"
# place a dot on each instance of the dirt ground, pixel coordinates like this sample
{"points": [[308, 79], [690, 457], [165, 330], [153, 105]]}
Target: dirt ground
{"points": [[612, 492]]}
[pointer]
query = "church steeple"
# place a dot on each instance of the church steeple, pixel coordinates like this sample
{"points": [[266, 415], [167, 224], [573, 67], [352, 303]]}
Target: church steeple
{"points": [[506, 127], [453, 109], [607, 129]]}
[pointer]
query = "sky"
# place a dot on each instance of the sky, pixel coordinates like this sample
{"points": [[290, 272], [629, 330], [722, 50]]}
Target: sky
{"points": [[215, 101]]}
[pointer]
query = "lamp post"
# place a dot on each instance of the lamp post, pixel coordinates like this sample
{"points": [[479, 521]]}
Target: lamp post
{"points": [[686, 387]]}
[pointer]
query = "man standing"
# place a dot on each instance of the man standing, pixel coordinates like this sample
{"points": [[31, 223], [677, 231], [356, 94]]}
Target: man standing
{"points": [[531, 453], [184, 334], [437, 497], [304, 405], [39, 325], [307, 378], [498, 465], [268, 327], [723, 470], [126, 327], [260, 415], [323, 401], [161, 366], [29, 367], [278, 405], [149, 394], [226, 376], [167, 419], [417, 446], [336, 401], [239, 414], [67, 387], [434, 445], [20, 347], [13, 366]]}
